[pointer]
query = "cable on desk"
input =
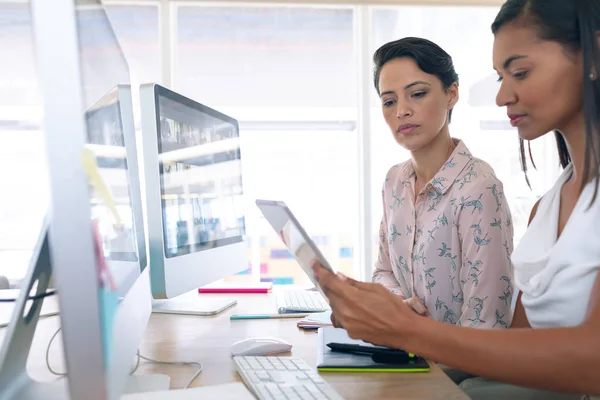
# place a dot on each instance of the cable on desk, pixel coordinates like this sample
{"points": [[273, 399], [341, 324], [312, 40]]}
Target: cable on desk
{"points": [[61, 374], [172, 363], [37, 296], [134, 369]]}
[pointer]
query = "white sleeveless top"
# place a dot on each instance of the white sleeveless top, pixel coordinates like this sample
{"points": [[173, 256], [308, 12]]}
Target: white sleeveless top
{"points": [[557, 276]]}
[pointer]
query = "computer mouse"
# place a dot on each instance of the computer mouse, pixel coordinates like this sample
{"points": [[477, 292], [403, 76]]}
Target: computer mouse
{"points": [[260, 347]]}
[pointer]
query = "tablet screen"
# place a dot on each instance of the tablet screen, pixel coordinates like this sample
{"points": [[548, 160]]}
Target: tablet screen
{"points": [[291, 233]]}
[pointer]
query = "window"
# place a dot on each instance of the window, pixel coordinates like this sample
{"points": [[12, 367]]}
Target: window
{"points": [[287, 73], [464, 32], [23, 182], [315, 173], [137, 29]]}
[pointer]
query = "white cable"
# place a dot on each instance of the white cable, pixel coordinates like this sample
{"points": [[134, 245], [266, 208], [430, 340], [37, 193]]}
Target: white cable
{"points": [[174, 363], [61, 374], [134, 369], [137, 363]]}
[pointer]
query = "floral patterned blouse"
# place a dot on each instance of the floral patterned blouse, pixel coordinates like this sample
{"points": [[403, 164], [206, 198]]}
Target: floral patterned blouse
{"points": [[452, 246]]}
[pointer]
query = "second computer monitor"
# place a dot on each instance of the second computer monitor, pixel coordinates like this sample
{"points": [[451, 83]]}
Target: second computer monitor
{"points": [[111, 138], [193, 176]]}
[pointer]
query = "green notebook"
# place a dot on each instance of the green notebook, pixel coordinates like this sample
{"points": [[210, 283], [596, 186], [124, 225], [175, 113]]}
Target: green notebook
{"points": [[328, 360]]}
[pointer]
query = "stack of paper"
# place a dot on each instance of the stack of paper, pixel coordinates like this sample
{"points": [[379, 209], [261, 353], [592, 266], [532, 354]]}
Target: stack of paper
{"points": [[315, 321]]}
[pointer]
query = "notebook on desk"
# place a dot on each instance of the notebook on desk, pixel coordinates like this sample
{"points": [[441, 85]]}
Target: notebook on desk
{"points": [[228, 391], [315, 320], [328, 360]]}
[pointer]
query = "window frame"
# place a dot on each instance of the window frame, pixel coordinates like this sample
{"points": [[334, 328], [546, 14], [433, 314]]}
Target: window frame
{"points": [[364, 253]]}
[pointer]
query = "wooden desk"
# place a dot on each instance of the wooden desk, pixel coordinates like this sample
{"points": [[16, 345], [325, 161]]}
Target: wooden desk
{"points": [[208, 340]]}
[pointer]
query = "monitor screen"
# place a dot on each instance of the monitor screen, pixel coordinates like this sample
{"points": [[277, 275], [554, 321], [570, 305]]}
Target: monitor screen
{"points": [[107, 142], [200, 176]]}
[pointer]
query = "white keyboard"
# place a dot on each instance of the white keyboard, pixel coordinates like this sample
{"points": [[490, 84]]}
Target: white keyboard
{"points": [[275, 378], [291, 301]]}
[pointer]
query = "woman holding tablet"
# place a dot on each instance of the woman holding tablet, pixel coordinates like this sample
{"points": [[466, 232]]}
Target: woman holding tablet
{"points": [[446, 233], [546, 53]]}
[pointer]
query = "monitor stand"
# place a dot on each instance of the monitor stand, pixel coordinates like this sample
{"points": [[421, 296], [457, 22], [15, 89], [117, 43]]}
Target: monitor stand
{"points": [[147, 383], [15, 382], [192, 303]]}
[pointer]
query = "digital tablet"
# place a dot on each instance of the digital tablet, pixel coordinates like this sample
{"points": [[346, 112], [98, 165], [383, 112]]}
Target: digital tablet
{"points": [[293, 235]]}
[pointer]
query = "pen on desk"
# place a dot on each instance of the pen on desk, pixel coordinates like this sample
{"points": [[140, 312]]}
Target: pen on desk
{"points": [[267, 316]]}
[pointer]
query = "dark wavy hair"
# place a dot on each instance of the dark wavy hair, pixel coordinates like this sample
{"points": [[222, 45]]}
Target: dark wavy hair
{"points": [[430, 58], [573, 24]]}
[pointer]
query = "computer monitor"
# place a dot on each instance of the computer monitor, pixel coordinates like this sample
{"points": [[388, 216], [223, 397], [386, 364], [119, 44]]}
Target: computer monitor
{"points": [[111, 137], [122, 306], [195, 212], [126, 308], [102, 319]]}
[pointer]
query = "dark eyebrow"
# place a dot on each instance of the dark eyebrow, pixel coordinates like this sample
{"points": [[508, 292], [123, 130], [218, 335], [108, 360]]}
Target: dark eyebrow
{"points": [[406, 87], [415, 83], [510, 59], [387, 92]]}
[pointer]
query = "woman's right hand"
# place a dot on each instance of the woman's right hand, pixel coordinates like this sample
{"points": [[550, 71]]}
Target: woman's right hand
{"points": [[414, 303], [367, 311]]}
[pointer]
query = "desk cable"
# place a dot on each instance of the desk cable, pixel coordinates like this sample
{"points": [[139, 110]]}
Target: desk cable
{"points": [[134, 369], [196, 374], [36, 297], [138, 355]]}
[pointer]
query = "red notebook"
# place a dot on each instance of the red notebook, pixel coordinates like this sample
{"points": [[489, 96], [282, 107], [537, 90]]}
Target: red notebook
{"points": [[237, 287]]}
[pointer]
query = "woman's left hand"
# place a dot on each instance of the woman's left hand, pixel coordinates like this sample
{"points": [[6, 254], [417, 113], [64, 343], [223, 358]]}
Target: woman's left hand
{"points": [[368, 311]]}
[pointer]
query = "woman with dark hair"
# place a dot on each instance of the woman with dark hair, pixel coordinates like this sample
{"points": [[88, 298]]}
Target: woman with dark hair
{"points": [[446, 230], [546, 53]]}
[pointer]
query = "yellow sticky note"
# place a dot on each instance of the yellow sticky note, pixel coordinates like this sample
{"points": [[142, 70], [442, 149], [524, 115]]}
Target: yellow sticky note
{"points": [[90, 166]]}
